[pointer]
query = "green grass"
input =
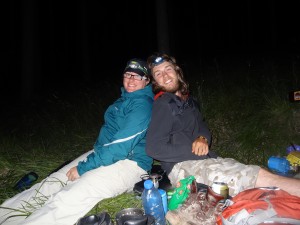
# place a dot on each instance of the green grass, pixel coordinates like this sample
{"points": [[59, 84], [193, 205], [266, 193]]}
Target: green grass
{"points": [[245, 107]]}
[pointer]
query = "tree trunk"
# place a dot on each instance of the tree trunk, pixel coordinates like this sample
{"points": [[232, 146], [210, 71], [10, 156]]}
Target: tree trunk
{"points": [[29, 44], [162, 27], [86, 71], [249, 32], [273, 23]]}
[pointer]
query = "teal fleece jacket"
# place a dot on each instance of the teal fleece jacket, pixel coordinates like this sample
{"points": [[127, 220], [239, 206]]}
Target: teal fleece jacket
{"points": [[123, 134]]}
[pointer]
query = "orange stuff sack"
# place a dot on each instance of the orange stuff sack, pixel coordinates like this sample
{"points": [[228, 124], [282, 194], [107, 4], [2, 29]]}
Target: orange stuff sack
{"points": [[257, 205]]}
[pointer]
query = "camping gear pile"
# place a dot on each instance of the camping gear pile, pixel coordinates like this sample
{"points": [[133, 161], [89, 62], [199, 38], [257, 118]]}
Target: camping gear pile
{"points": [[257, 206]]}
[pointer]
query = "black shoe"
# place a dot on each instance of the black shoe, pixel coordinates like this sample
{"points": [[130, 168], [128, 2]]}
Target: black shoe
{"points": [[99, 219]]}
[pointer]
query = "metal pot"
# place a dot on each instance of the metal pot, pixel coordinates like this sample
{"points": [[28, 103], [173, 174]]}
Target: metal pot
{"points": [[99, 219], [133, 216]]}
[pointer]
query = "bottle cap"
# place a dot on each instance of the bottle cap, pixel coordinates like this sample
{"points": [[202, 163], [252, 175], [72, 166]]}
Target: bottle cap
{"points": [[148, 184]]}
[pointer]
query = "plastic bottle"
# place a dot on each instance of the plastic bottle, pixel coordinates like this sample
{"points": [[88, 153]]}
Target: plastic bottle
{"points": [[26, 181], [164, 198], [182, 191], [279, 164], [152, 203]]}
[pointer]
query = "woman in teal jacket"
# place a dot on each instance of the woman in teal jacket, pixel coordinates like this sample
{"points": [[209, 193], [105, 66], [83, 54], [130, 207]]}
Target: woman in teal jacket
{"points": [[123, 134], [111, 168]]}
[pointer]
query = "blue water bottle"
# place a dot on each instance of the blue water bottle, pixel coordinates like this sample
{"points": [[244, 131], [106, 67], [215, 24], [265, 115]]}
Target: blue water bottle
{"points": [[279, 164], [164, 198], [152, 203], [26, 181]]}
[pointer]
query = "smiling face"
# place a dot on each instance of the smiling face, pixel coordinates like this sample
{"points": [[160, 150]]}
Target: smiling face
{"points": [[132, 84], [166, 77]]}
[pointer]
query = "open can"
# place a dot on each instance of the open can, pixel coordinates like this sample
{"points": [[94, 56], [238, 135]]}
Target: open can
{"points": [[220, 188]]}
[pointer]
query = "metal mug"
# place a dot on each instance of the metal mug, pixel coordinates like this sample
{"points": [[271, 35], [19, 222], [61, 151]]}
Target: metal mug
{"points": [[154, 177]]}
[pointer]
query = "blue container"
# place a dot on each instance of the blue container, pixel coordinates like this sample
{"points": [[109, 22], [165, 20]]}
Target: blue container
{"points": [[164, 198], [152, 203], [279, 164], [26, 181]]}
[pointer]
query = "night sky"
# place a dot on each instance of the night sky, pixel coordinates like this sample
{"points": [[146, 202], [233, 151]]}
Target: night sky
{"points": [[61, 44]]}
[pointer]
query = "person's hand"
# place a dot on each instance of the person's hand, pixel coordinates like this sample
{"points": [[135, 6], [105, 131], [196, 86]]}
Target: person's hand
{"points": [[200, 146], [72, 174]]}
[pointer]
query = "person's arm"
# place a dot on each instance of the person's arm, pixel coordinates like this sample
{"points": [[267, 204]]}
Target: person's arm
{"points": [[201, 143], [130, 133], [72, 174], [158, 141], [200, 146], [204, 131]]}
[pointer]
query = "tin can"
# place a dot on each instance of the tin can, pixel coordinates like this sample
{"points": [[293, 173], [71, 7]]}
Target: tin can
{"points": [[220, 188]]}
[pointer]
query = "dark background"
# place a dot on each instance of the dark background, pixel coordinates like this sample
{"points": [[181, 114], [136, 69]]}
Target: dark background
{"points": [[63, 45]]}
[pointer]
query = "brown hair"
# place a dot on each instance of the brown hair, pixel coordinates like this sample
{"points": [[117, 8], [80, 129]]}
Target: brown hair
{"points": [[183, 84]]}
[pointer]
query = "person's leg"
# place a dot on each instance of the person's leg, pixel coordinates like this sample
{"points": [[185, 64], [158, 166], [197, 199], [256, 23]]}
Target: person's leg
{"points": [[268, 179], [79, 197], [30, 200], [236, 175]]}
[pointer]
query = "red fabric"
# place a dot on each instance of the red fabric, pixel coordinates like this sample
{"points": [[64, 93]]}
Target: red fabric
{"points": [[158, 95], [285, 204]]}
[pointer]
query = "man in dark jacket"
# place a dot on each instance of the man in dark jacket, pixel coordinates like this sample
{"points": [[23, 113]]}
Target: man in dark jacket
{"points": [[179, 138]]}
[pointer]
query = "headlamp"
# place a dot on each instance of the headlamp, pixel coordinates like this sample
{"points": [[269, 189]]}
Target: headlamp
{"points": [[136, 65], [158, 60]]}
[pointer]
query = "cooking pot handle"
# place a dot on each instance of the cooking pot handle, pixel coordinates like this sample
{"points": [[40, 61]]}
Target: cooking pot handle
{"points": [[141, 221]]}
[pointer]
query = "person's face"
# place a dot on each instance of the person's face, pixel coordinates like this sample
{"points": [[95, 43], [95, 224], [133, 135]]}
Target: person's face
{"points": [[131, 83], [166, 77]]}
